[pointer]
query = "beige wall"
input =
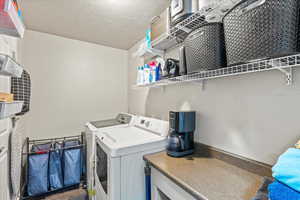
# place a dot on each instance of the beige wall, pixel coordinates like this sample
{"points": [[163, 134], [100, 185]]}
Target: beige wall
{"points": [[72, 82], [253, 115]]}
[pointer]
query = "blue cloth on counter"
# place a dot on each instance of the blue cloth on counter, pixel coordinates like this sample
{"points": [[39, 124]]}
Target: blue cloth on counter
{"points": [[279, 191], [287, 169]]}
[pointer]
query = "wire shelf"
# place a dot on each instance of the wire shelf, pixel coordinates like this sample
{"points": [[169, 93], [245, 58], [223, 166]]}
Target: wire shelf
{"points": [[186, 26], [9, 67], [10, 109], [257, 66], [212, 13]]}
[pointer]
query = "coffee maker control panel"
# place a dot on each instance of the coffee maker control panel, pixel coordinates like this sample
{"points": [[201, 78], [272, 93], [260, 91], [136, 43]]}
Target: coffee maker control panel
{"points": [[182, 121]]}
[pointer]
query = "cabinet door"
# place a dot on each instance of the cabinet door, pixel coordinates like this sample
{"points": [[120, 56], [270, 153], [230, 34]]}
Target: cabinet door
{"points": [[165, 189]]}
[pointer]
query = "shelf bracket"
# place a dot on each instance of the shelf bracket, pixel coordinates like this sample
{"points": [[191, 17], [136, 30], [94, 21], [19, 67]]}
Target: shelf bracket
{"points": [[202, 84], [288, 72]]}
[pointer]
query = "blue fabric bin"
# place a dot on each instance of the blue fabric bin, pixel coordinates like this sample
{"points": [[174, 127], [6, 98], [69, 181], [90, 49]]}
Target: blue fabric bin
{"points": [[72, 163], [38, 174], [55, 168], [41, 147], [38, 170]]}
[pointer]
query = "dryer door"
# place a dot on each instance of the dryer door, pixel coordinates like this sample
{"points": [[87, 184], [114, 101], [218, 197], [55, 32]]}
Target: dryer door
{"points": [[102, 167]]}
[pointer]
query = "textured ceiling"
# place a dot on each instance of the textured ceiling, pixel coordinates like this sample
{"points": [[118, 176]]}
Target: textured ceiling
{"points": [[114, 23]]}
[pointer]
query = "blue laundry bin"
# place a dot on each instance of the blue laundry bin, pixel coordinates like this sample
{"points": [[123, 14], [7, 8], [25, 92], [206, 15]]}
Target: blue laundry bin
{"points": [[55, 168], [72, 163], [41, 147], [38, 170]]}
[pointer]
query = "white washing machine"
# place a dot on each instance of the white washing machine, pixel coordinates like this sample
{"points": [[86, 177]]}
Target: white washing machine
{"points": [[119, 158], [92, 128]]}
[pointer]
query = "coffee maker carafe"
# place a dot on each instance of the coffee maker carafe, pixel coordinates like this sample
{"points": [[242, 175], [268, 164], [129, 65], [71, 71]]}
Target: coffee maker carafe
{"points": [[181, 133]]}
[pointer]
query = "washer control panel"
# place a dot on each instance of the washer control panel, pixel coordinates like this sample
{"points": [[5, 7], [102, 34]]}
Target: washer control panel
{"points": [[157, 126]]}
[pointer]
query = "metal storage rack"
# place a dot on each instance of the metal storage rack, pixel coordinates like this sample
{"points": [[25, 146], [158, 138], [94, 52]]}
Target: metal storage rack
{"points": [[27, 145], [9, 67], [282, 64], [186, 26], [177, 33], [10, 109]]}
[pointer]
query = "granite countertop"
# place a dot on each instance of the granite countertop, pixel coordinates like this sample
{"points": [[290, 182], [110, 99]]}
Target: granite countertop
{"points": [[202, 175]]}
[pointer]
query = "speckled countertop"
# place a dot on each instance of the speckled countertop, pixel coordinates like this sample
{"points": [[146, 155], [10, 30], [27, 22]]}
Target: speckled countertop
{"points": [[210, 177]]}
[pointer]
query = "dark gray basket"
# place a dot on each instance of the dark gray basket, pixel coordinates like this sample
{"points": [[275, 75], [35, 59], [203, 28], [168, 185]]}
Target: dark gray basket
{"points": [[205, 48], [258, 29]]}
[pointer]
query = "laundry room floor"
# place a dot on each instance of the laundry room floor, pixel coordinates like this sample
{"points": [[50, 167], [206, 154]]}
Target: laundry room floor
{"points": [[79, 194]]}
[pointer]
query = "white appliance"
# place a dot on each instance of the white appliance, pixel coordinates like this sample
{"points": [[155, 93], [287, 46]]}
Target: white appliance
{"points": [[119, 158], [4, 175], [122, 120]]}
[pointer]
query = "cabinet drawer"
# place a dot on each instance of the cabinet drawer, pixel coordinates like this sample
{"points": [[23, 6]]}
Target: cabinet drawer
{"points": [[165, 189]]}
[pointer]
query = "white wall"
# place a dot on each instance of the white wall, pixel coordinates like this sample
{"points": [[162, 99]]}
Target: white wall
{"points": [[253, 115], [72, 82]]}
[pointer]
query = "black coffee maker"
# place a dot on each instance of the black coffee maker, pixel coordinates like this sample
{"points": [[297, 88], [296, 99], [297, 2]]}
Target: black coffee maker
{"points": [[181, 133]]}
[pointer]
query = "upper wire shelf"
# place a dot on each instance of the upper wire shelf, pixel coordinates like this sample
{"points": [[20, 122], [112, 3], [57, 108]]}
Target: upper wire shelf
{"points": [[212, 13], [280, 64], [186, 26]]}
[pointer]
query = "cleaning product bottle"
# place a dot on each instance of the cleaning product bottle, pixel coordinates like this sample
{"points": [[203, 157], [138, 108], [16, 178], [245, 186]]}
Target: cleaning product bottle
{"points": [[138, 77], [148, 38], [157, 72], [150, 74], [142, 75], [146, 74], [153, 71]]}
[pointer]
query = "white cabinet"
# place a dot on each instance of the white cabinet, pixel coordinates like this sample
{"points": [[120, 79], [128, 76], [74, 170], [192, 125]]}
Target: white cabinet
{"points": [[4, 186], [8, 46], [165, 189]]}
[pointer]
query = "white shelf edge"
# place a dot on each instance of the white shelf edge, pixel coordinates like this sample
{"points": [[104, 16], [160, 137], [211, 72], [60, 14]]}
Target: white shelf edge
{"points": [[154, 52], [280, 64], [9, 67], [16, 20], [148, 52], [10, 109]]}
